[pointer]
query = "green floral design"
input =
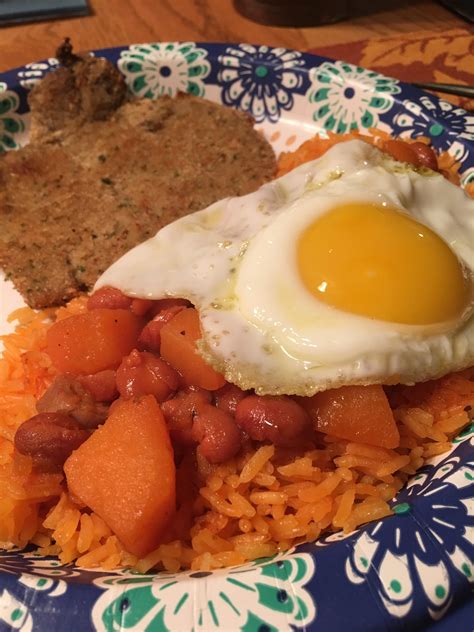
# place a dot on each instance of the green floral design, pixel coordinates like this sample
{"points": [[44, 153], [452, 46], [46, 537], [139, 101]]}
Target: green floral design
{"points": [[154, 70], [268, 595], [11, 123], [13, 613], [348, 97], [465, 435]]}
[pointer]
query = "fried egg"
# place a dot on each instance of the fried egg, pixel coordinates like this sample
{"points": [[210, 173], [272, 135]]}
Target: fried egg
{"points": [[351, 269]]}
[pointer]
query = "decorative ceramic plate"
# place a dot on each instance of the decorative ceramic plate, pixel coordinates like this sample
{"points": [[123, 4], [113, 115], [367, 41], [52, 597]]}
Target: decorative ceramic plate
{"points": [[407, 571]]}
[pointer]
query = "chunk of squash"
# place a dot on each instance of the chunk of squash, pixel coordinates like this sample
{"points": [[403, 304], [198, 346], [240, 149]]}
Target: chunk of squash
{"points": [[178, 348], [355, 413], [125, 473], [94, 341]]}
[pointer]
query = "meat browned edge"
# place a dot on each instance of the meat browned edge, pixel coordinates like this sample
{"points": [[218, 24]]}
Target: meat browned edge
{"points": [[104, 171]]}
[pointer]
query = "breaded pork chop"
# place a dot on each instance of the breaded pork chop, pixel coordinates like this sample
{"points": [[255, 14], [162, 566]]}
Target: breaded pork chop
{"points": [[78, 197]]}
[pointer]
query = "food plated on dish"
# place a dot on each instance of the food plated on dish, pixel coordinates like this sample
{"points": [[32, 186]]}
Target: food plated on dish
{"points": [[270, 369]]}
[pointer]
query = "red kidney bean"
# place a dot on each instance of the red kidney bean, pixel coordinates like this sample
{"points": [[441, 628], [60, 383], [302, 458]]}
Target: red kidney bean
{"points": [[228, 397], [425, 155], [69, 396], [280, 420], [180, 411], [49, 438], [150, 336], [110, 298], [143, 373], [218, 436], [102, 385]]}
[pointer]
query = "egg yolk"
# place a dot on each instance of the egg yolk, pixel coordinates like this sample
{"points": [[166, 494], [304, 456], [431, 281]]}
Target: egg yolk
{"points": [[378, 262]]}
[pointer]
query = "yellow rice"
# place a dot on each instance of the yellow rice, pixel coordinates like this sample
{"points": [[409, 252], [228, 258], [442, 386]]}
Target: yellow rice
{"points": [[263, 501]]}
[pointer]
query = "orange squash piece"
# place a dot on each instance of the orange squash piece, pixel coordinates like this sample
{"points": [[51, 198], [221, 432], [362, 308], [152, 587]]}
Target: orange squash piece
{"points": [[178, 348], [355, 413], [125, 473], [94, 341], [452, 392]]}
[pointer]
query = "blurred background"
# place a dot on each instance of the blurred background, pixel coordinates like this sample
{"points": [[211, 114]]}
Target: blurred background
{"points": [[414, 40], [115, 22]]}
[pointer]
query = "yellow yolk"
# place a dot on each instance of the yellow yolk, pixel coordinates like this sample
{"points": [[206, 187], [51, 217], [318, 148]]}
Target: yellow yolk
{"points": [[378, 262]]}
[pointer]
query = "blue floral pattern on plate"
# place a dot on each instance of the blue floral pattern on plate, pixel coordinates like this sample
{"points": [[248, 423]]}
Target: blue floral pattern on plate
{"points": [[442, 122], [423, 559], [34, 72], [405, 571], [260, 80]]}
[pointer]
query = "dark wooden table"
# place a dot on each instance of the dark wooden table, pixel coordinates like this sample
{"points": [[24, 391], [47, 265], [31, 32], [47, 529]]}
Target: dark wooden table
{"points": [[115, 22]]}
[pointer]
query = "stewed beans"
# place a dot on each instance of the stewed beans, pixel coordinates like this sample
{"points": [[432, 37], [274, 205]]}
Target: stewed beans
{"points": [[49, 438], [201, 410]]}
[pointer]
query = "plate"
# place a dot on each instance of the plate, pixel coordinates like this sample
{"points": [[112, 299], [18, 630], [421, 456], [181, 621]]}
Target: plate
{"points": [[413, 568]]}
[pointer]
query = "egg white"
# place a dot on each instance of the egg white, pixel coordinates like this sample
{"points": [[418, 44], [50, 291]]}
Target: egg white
{"points": [[236, 261]]}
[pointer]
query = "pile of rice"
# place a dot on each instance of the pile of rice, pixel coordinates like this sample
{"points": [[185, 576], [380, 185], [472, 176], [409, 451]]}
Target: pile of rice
{"points": [[263, 501]]}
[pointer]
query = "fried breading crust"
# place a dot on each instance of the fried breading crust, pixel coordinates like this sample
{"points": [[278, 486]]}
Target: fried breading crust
{"points": [[80, 196]]}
